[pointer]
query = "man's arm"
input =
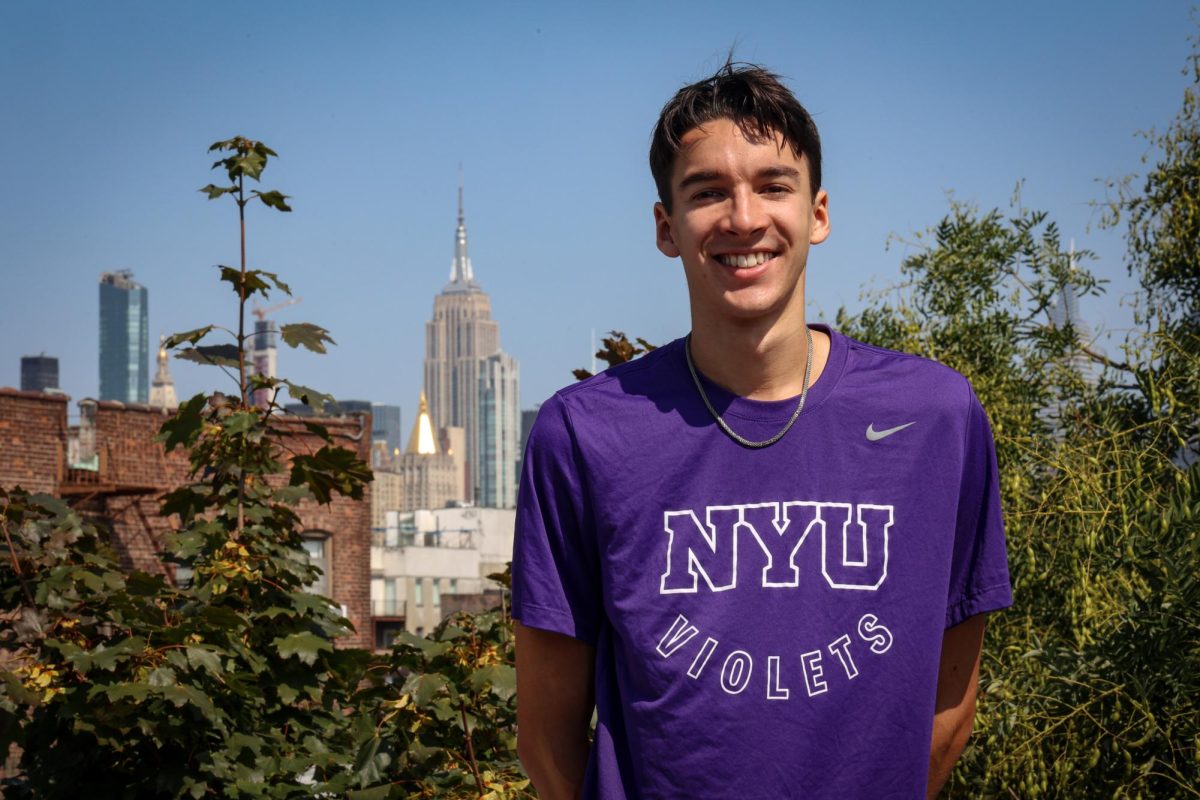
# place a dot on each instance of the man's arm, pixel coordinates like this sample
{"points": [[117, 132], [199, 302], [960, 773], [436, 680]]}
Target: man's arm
{"points": [[555, 696], [958, 684]]}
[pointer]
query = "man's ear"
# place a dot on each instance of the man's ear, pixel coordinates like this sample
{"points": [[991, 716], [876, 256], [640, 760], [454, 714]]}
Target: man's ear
{"points": [[820, 222], [662, 232]]}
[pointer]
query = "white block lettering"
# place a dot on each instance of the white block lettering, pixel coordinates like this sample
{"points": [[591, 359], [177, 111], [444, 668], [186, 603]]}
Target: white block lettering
{"points": [[858, 559], [780, 539], [701, 659], [813, 672], [774, 690], [841, 649], [735, 675], [681, 631], [871, 631]]}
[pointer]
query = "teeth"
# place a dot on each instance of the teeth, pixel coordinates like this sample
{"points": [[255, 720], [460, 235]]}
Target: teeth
{"points": [[742, 260]]}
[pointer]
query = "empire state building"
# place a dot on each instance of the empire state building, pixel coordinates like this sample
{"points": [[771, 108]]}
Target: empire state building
{"points": [[471, 383]]}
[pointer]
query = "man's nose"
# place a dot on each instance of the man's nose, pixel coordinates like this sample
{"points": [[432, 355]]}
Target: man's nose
{"points": [[746, 213]]}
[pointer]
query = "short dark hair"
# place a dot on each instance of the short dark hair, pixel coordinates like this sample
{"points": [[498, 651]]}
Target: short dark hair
{"points": [[754, 98]]}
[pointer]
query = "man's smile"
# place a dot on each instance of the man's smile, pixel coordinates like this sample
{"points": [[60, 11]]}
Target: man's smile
{"points": [[743, 260]]}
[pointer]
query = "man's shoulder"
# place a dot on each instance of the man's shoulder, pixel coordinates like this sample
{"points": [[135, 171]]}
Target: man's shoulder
{"points": [[628, 381], [622, 401], [897, 375], [891, 365]]}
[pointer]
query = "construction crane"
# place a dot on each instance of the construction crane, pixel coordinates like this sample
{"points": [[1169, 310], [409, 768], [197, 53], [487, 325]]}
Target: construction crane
{"points": [[262, 347], [261, 313]]}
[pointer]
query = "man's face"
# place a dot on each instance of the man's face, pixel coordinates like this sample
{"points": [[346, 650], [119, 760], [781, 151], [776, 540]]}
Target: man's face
{"points": [[742, 220]]}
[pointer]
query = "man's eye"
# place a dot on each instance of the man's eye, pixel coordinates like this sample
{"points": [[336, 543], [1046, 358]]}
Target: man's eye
{"points": [[706, 194], [776, 188]]}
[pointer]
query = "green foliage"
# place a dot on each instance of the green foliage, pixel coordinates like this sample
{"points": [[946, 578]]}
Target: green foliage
{"points": [[329, 470], [1163, 218], [616, 349], [217, 355], [448, 728], [228, 685], [1164, 255], [1090, 684], [304, 334], [190, 337], [310, 397], [249, 281], [134, 688]]}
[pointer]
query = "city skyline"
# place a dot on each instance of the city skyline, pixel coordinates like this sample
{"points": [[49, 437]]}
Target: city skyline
{"points": [[108, 149]]}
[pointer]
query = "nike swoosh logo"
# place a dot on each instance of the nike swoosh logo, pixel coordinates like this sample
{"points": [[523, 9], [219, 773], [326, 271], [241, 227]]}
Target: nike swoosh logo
{"points": [[874, 435]]}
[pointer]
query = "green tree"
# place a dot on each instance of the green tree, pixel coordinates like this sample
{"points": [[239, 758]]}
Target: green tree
{"points": [[1090, 682], [439, 716], [1163, 236], [230, 685]]}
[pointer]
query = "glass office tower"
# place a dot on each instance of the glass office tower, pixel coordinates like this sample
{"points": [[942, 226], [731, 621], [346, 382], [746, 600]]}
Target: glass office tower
{"points": [[124, 339], [499, 432], [385, 426]]}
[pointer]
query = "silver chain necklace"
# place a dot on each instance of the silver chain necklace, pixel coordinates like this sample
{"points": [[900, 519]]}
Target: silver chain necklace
{"points": [[744, 442]]}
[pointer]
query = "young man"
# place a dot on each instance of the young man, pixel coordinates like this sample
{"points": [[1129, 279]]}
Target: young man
{"points": [[762, 553]]}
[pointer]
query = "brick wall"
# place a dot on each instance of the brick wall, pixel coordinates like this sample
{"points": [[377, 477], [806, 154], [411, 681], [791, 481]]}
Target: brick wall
{"points": [[348, 524], [33, 436], [129, 455], [134, 473]]}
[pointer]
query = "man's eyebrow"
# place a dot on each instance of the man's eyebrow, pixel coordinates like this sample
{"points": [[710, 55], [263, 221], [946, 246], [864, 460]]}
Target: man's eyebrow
{"points": [[779, 171], [702, 176]]}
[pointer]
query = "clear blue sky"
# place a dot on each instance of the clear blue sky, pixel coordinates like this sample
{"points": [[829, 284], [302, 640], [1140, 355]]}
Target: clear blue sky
{"points": [[108, 109]]}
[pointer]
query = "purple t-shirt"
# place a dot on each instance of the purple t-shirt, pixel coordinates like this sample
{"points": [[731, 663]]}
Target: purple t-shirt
{"points": [[767, 623]]}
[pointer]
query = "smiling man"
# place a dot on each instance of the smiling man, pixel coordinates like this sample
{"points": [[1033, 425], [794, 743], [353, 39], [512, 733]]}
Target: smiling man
{"points": [[762, 553]]}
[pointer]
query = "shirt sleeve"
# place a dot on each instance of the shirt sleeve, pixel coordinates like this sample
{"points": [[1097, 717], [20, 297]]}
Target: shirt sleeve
{"points": [[555, 575], [979, 580]]}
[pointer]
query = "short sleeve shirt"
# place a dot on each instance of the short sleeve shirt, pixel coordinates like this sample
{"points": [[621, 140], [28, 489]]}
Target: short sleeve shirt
{"points": [[767, 622]]}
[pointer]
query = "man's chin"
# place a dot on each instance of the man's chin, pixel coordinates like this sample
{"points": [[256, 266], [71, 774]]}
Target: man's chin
{"points": [[744, 309]]}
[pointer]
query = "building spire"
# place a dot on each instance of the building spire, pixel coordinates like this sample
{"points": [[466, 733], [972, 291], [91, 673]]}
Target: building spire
{"points": [[461, 274], [162, 392], [421, 441]]}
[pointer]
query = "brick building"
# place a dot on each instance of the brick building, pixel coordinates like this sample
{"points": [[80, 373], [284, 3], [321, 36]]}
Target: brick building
{"points": [[110, 468]]}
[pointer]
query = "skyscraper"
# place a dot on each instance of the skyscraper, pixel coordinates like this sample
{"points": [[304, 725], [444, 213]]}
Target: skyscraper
{"points": [[39, 373], [459, 341], [385, 426], [499, 431], [264, 356], [124, 338], [1064, 311]]}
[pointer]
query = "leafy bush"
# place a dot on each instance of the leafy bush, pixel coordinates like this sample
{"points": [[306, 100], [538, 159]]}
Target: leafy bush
{"points": [[448, 728]]}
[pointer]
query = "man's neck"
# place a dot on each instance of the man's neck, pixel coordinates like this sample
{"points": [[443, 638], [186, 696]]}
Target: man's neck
{"points": [[760, 361]]}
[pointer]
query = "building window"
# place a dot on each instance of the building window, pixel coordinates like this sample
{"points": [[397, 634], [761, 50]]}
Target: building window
{"points": [[454, 586], [419, 592], [386, 633], [437, 592], [316, 547], [389, 598]]}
